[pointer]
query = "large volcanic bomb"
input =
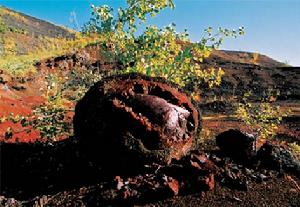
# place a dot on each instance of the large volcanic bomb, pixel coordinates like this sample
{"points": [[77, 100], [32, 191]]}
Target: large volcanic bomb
{"points": [[136, 119]]}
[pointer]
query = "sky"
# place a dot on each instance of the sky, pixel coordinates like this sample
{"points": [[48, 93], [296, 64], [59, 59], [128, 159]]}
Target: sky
{"points": [[272, 26]]}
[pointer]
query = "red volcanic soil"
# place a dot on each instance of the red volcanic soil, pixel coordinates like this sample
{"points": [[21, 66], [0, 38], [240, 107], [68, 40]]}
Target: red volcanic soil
{"points": [[18, 96], [18, 103], [21, 96]]}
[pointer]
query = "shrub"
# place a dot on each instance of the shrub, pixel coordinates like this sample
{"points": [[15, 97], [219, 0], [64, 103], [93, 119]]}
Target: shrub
{"points": [[262, 117], [155, 52], [50, 117], [255, 57], [295, 148]]}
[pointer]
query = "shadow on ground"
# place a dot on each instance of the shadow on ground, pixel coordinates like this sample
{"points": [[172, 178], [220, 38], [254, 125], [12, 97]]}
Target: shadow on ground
{"points": [[35, 169]]}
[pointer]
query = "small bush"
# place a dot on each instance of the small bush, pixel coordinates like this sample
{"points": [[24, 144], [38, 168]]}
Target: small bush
{"points": [[155, 52], [295, 148], [263, 117]]}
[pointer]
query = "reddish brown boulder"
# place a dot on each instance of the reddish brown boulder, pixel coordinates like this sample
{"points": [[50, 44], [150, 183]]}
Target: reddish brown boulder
{"points": [[133, 118]]}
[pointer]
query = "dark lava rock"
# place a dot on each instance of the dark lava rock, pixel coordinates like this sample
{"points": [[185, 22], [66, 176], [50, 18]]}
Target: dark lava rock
{"points": [[134, 119], [236, 144], [278, 158], [234, 180], [195, 173]]}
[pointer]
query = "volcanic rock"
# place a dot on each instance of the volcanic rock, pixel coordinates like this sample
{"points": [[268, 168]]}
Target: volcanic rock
{"points": [[278, 158], [136, 119], [202, 172], [233, 178], [194, 172], [236, 144]]}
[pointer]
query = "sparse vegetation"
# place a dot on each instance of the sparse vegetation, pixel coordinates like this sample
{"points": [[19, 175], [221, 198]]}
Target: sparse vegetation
{"points": [[15, 15], [20, 65], [155, 52], [255, 56], [295, 148], [3, 27], [263, 118], [49, 118], [20, 47]]}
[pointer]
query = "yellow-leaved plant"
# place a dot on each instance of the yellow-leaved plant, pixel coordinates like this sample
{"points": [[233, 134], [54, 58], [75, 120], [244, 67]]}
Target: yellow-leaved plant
{"points": [[263, 117], [154, 51]]}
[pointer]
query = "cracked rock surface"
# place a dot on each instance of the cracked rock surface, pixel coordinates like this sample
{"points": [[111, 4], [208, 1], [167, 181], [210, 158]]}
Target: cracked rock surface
{"points": [[133, 118]]}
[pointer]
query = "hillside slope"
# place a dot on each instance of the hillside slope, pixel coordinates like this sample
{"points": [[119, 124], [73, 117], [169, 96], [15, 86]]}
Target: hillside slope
{"points": [[244, 71], [242, 74], [223, 57], [21, 34]]}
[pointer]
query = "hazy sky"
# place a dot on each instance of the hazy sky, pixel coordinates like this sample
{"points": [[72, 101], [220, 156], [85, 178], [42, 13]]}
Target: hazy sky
{"points": [[272, 26]]}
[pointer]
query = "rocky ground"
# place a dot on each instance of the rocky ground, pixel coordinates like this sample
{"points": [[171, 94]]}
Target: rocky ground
{"points": [[63, 174], [267, 177]]}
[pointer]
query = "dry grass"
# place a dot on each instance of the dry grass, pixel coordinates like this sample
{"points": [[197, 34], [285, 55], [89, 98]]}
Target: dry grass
{"points": [[21, 65]]}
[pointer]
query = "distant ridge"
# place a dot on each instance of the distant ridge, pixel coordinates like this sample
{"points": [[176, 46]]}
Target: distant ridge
{"points": [[22, 34], [17, 21], [220, 57], [28, 33]]}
